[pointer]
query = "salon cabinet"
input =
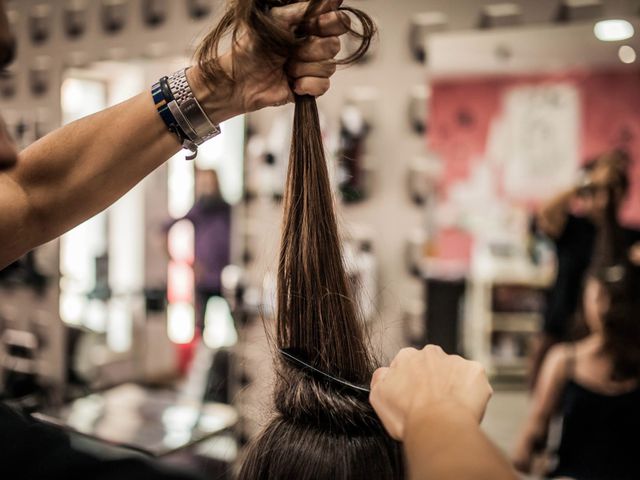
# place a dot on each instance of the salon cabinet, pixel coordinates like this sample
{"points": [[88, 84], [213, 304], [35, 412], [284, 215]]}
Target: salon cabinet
{"points": [[444, 290], [502, 316], [443, 314]]}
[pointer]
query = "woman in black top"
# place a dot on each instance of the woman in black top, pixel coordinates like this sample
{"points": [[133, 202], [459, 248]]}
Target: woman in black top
{"points": [[574, 238], [594, 383]]}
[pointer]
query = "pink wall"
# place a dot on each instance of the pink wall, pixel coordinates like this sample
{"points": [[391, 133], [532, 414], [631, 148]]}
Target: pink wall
{"points": [[461, 113]]}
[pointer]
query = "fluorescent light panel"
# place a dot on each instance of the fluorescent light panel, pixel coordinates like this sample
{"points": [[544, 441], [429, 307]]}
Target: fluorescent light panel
{"points": [[613, 30]]}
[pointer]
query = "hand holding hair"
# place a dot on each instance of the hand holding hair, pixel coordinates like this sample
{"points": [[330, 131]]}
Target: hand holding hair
{"points": [[420, 381], [433, 403], [276, 52]]}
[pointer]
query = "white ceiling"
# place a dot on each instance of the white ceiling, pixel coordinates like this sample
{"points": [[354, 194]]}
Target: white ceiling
{"points": [[465, 14], [524, 49]]}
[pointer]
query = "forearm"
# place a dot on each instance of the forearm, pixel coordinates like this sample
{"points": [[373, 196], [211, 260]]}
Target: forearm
{"points": [[446, 444], [82, 168], [552, 216], [526, 444]]}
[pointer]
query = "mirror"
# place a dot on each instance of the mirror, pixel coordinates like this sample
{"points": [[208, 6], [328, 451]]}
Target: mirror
{"points": [[514, 112]]}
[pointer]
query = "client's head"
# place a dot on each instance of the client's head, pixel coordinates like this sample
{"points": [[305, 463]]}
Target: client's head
{"points": [[612, 297], [323, 426]]}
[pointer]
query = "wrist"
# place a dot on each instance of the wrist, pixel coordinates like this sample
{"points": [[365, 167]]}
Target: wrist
{"points": [[218, 101], [438, 417]]}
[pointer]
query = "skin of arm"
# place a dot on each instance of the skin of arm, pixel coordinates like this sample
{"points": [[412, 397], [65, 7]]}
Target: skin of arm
{"points": [[79, 170], [545, 399], [552, 216], [447, 443]]}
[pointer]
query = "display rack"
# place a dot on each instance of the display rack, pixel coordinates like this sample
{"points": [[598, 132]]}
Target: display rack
{"points": [[503, 313]]}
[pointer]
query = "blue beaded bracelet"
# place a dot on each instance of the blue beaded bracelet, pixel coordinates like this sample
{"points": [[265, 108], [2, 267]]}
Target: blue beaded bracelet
{"points": [[161, 101]]}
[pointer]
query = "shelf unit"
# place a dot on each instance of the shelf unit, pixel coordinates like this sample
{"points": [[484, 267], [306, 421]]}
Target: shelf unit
{"points": [[502, 315]]}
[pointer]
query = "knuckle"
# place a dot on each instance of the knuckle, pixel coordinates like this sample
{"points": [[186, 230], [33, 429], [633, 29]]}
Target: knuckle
{"points": [[333, 45], [432, 348], [478, 367], [295, 70], [406, 351]]}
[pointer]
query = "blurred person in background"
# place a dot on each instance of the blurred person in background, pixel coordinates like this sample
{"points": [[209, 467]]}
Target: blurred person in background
{"points": [[211, 219], [572, 219], [594, 383]]}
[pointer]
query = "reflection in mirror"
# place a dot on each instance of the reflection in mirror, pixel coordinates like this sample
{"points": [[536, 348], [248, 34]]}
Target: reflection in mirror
{"points": [[514, 113]]}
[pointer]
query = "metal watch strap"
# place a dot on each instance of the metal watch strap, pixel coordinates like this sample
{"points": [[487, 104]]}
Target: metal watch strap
{"points": [[191, 109], [184, 124]]}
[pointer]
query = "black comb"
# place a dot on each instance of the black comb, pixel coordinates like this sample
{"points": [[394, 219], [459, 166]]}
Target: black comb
{"points": [[291, 356]]}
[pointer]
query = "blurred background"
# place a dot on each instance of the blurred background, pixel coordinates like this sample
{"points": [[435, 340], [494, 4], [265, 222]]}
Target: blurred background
{"points": [[144, 326]]}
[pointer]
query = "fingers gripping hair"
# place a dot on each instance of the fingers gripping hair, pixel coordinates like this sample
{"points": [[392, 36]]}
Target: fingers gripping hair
{"points": [[277, 28]]}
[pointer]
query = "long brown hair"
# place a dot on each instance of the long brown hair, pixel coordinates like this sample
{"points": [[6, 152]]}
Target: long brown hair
{"points": [[321, 429], [612, 268]]}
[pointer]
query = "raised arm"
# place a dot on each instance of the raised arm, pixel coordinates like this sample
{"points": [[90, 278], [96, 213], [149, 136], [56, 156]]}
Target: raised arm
{"points": [[433, 403], [545, 399], [552, 215], [82, 168]]}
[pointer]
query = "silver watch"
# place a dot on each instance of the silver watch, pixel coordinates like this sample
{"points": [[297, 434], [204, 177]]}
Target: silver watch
{"points": [[200, 127]]}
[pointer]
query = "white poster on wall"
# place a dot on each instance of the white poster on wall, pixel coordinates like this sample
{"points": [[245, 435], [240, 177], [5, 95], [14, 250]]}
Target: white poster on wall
{"points": [[540, 130]]}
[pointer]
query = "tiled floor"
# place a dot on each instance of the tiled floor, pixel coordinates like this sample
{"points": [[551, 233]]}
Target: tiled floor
{"points": [[505, 415]]}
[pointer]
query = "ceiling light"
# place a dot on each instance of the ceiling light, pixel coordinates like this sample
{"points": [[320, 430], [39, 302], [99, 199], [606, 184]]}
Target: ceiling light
{"points": [[613, 30], [626, 54]]}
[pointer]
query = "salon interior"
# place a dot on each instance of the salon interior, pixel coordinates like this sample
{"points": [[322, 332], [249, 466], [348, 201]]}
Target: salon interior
{"points": [[444, 143]]}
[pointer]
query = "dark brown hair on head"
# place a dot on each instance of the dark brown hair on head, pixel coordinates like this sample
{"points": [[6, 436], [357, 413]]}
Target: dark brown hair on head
{"points": [[620, 278], [321, 429]]}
